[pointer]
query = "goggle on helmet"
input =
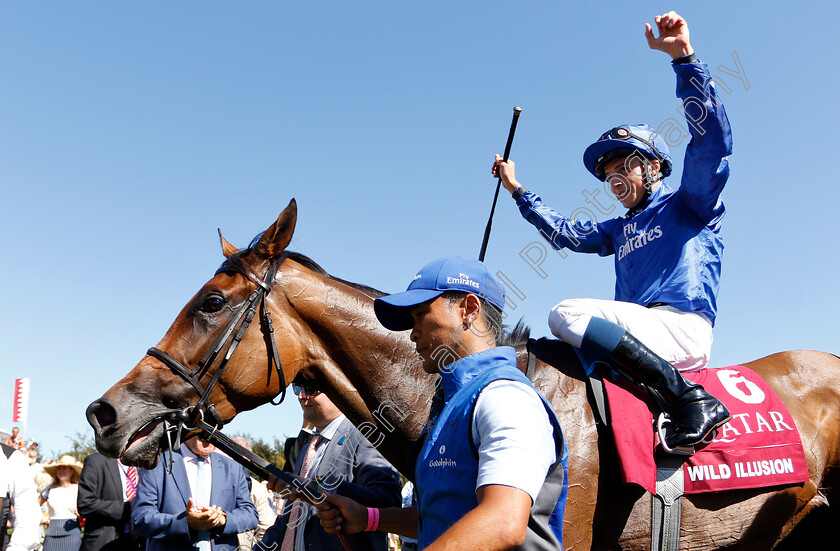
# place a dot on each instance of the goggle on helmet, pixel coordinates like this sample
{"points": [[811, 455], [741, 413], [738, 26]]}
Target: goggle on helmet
{"points": [[622, 141]]}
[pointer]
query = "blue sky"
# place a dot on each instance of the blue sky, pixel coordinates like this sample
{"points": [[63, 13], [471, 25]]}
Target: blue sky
{"points": [[129, 132]]}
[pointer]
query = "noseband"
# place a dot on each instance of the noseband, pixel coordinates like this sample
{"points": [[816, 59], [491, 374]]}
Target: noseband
{"points": [[230, 337], [193, 417]]}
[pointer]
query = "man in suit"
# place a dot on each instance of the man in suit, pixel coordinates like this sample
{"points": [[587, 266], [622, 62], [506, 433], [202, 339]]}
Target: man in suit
{"points": [[293, 445], [106, 492], [344, 462], [194, 506]]}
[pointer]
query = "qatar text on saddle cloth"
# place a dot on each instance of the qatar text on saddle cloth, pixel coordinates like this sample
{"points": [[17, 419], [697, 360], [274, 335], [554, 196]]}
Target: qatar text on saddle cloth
{"points": [[758, 447]]}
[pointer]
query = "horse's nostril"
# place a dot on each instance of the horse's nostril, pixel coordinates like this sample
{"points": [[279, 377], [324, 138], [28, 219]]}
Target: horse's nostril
{"points": [[102, 412]]}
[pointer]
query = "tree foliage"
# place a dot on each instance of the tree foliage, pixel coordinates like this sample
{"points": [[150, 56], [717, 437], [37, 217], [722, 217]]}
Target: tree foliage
{"points": [[81, 445], [273, 453]]}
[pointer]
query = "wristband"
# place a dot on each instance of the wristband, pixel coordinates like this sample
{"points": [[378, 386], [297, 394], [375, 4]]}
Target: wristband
{"points": [[690, 58], [373, 520], [518, 192]]}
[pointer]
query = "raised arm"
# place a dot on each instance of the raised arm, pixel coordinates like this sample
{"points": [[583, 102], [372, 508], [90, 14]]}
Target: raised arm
{"points": [[673, 35], [706, 167]]}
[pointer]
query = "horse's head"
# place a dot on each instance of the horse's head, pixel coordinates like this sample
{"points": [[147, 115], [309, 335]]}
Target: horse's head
{"points": [[128, 420]]}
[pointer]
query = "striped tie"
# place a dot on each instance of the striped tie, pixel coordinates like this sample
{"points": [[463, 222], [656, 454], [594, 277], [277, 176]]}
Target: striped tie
{"points": [[297, 506], [130, 491], [130, 483]]}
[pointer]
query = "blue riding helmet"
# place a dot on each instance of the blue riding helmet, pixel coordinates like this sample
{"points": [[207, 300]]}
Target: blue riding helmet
{"points": [[622, 141]]}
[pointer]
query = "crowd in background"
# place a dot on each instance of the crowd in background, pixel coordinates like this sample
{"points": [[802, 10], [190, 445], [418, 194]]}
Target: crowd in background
{"points": [[29, 449], [62, 527]]}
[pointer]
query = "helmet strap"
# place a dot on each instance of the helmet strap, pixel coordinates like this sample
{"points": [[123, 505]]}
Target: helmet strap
{"points": [[649, 177]]}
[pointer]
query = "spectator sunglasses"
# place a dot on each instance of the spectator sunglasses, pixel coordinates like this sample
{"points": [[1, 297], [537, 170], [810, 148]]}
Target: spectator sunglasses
{"points": [[308, 390]]}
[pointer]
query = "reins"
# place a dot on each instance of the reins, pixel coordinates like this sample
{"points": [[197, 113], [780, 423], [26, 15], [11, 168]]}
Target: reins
{"points": [[193, 417], [243, 318], [190, 417]]}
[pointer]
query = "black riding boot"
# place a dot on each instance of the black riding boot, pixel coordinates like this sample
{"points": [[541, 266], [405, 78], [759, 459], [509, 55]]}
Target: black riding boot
{"points": [[693, 412]]}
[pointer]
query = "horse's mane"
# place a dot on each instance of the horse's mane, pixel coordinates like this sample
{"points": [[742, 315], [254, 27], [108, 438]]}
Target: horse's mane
{"points": [[310, 264], [516, 336]]}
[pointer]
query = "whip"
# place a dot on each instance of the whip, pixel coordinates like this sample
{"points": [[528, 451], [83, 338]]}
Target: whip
{"points": [[516, 112]]}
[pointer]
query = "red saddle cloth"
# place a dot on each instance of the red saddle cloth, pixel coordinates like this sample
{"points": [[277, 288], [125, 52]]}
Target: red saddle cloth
{"points": [[760, 446]]}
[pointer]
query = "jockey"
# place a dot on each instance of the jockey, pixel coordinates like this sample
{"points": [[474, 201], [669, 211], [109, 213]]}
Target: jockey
{"points": [[667, 248]]}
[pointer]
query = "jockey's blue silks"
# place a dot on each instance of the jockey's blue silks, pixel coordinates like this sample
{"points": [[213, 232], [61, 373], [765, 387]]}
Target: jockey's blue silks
{"points": [[670, 250]]}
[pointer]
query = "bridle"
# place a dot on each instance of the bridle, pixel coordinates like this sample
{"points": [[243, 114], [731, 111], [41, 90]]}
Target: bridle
{"points": [[193, 417]]}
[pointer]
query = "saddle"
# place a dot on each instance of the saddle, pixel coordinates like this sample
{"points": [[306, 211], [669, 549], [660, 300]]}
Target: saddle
{"points": [[758, 447]]}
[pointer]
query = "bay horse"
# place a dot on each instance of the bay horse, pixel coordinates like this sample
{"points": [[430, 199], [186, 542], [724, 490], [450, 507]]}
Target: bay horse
{"points": [[326, 335]]}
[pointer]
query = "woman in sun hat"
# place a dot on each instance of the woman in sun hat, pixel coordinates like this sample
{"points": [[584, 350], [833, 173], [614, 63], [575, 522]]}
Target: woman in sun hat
{"points": [[63, 532]]}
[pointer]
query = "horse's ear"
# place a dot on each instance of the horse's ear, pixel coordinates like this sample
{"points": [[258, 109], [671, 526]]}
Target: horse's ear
{"points": [[227, 249], [276, 238]]}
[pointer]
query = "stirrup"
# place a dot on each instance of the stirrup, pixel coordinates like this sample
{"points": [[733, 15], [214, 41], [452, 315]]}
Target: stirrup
{"points": [[661, 421]]}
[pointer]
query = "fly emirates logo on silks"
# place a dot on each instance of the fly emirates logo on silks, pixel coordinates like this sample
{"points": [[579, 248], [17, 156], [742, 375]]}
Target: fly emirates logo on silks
{"points": [[757, 423], [637, 241]]}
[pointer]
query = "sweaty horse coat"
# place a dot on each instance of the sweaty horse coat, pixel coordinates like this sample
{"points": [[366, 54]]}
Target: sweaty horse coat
{"points": [[328, 335]]}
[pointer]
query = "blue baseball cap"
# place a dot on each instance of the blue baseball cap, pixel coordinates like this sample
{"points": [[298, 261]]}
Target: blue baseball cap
{"points": [[450, 273]]}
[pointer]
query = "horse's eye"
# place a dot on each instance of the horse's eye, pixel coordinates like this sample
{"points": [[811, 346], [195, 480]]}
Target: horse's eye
{"points": [[212, 303]]}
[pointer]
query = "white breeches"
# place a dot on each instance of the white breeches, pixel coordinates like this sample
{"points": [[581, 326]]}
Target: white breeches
{"points": [[682, 338]]}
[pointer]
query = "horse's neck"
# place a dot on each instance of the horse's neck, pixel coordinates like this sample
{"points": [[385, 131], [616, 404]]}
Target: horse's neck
{"points": [[381, 365]]}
